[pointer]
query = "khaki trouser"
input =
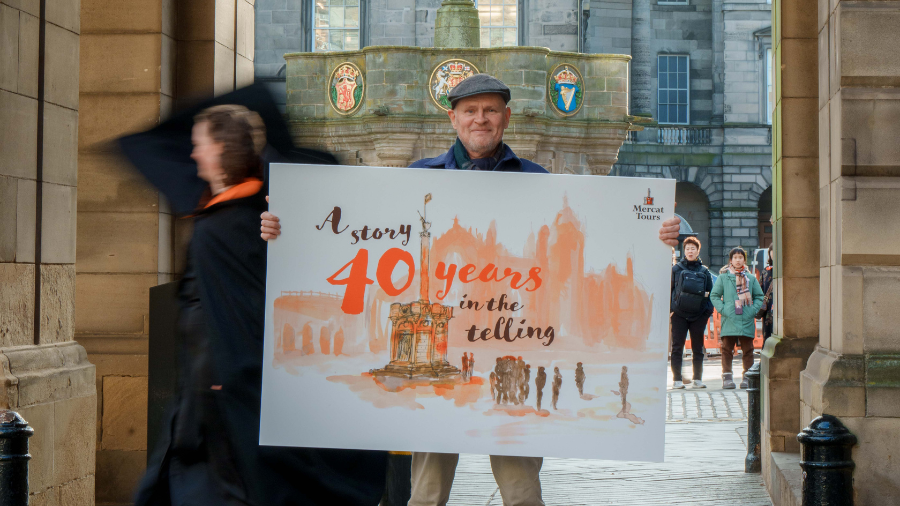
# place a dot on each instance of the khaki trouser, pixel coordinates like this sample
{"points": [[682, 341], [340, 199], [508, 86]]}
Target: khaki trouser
{"points": [[517, 477]]}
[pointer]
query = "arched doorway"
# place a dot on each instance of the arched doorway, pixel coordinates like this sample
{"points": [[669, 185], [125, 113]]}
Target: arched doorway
{"points": [[325, 340], [765, 216], [307, 346], [693, 206], [287, 338]]}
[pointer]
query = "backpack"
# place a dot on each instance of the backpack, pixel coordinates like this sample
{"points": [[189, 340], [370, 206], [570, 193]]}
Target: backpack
{"points": [[690, 292]]}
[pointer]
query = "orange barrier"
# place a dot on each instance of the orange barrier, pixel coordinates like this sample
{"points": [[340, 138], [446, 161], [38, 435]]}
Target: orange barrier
{"points": [[713, 339]]}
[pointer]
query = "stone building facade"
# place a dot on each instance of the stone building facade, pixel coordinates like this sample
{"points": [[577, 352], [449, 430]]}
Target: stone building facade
{"points": [[717, 140], [82, 237]]}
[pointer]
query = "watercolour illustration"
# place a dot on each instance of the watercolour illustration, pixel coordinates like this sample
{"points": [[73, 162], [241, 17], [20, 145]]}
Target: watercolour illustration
{"points": [[411, 303]]}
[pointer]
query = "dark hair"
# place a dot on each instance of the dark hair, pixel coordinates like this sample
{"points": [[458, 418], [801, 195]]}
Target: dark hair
{"points": [[242, 134], [737, 251], [692, 240]]}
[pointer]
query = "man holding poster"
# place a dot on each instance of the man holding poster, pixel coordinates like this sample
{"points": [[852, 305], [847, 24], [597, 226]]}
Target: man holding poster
{"points": [[610, 312]]}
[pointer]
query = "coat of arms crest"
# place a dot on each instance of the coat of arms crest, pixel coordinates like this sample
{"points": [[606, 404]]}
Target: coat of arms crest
{"points": [[346, 88], [565, 89], [445, 77]]}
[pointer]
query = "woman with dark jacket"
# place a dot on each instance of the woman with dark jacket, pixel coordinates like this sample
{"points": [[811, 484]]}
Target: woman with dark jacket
{"points": [[737, 297], [690, 310], [210, 453], [768, 287]]}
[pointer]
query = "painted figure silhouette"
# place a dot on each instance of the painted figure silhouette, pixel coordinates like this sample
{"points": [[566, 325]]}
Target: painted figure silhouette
{"points": [[579, 378], [498, 372], [494, 393], [557, 384], [465, 367], [527, 372], [539, 381]]}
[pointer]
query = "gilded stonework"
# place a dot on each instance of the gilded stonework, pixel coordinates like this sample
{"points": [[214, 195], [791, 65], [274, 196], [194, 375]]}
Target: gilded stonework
{"points": [[445, 77], [346, 87], [565, 89]]}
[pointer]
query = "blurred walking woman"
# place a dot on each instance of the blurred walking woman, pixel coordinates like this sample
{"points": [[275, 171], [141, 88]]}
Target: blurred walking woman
{"points": [[209, 454], [737, 296]]}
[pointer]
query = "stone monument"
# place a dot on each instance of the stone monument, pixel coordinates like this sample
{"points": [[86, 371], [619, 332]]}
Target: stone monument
{"points": [[387, 106]]}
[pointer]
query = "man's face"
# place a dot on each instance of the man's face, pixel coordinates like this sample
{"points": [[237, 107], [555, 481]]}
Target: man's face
{"points": [[479, 122]]}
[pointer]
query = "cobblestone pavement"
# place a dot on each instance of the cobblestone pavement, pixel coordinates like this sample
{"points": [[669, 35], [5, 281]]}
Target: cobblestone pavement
{"points": [[704, 461], [699, 405]]}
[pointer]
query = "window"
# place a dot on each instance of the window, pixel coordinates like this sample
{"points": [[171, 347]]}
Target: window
{"points": [[673, 2], [770, 98], [673, 105], [336, 25], [499, 22]]}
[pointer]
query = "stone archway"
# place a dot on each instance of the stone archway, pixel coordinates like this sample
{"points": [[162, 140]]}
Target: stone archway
{"points": [[287, 338], [693, 206], [307, 346], [325, 340]]}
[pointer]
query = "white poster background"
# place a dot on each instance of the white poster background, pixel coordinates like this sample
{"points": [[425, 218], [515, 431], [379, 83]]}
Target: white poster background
{"points": [[302, 407]]}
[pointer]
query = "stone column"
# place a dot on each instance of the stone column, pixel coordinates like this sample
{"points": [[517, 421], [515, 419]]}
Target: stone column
{"points": [[457, 25], [854, 373], [44, 373], [642, 60], [718, 63], [796, 156], [139, 62]]}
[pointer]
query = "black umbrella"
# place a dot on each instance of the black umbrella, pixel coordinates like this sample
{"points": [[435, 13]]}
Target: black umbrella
{"points": [[163, 154]]}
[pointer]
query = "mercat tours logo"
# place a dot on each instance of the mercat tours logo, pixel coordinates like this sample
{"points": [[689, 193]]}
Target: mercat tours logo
{"points": [[647, 211]]}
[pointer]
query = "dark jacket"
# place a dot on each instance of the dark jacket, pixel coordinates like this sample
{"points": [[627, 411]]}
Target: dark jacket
{"points": [[509, 162], [695, 266], [228, 270]]}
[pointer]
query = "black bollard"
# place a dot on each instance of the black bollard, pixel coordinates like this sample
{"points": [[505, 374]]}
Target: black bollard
{"points": [[826, 463], [14, 457], [753, 464]]}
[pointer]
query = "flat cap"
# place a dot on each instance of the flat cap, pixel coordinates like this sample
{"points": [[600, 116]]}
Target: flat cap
{"points": [[477, 85]]}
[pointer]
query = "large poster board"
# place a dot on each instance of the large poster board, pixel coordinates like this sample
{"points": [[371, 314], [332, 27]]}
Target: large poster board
{"points": [[467, 312]]}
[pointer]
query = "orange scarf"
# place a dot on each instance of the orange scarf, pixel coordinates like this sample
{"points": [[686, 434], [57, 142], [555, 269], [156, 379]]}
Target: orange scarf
{"points": [[248, 187]]}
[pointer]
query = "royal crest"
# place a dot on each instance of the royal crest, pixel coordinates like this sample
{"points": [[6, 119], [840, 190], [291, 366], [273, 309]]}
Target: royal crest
{"points": [[565, 89], [445, 77], [345, 88]]}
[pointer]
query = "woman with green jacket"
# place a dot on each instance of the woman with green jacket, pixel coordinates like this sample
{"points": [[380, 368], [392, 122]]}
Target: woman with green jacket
{"points": [[737, 296]]}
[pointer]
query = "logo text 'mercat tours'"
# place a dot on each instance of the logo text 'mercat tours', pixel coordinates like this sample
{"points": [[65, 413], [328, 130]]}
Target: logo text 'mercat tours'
{"points": [[646, 211]]}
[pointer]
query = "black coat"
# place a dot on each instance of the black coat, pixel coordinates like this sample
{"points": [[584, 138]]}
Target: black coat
{"points": [[226, 279], [696, 266], [228, 260]]}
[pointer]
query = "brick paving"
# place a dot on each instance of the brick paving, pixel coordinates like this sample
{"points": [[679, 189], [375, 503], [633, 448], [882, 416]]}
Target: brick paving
{"points": [[704, 461]]}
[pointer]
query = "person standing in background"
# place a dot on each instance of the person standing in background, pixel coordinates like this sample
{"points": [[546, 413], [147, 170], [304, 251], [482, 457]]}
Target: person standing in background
{"points": [[690, 310], [768, 287], [737, 296]]}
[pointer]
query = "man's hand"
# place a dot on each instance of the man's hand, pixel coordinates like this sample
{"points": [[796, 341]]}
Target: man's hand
{"points": [[668, 231], [270, 227]]}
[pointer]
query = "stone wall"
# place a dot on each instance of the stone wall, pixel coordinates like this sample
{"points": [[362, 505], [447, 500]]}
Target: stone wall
{"points": [[140, 60], [609, 27], [853, 373], [745, 72], [44, 374]]}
